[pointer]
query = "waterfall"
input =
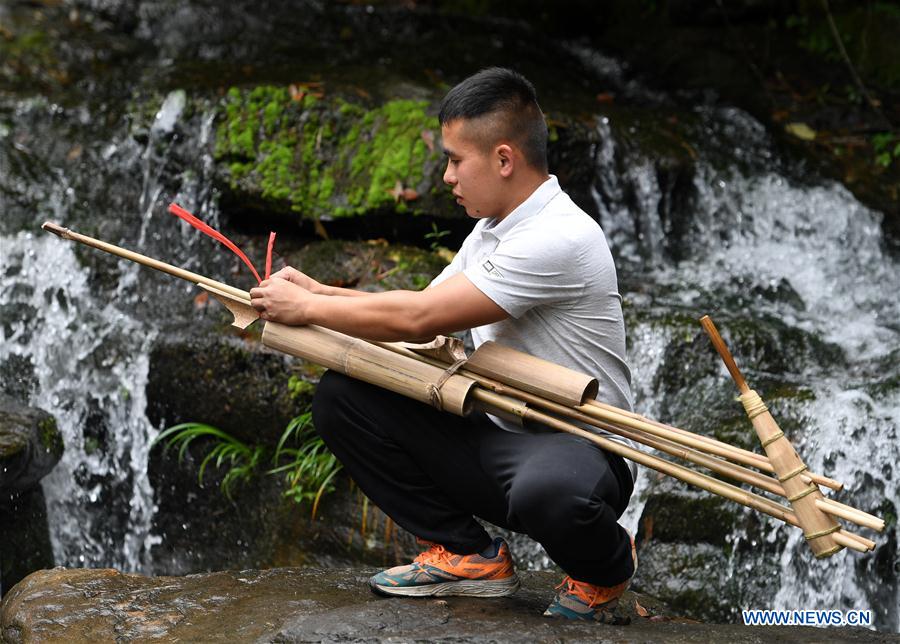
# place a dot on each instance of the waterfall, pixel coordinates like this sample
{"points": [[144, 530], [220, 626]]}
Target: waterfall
{"points": [[765, 246], [89, 342]]}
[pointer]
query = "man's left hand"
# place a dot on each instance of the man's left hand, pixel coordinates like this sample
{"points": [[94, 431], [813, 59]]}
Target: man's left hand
{"points": [[279, 300]]}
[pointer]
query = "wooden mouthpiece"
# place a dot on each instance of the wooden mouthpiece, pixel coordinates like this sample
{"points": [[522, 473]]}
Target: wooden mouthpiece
{"points": [[717, 341], [56, 229]]}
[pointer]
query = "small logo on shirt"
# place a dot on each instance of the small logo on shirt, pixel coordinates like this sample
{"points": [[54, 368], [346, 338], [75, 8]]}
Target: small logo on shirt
{"points": [[490, 269]]}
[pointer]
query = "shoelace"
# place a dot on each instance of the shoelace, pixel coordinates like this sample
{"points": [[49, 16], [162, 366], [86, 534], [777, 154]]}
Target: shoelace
{"points": [[590, 594], [434, 556]]}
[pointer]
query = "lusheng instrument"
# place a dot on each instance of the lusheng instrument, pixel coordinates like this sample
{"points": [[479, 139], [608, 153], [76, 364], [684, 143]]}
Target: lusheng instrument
{"points": [[509, 383]]}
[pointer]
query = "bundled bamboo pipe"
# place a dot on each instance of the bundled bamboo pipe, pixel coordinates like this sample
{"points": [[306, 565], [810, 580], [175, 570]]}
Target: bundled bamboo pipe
{"points": [[620, 421], [668, 445], [491, 400]]}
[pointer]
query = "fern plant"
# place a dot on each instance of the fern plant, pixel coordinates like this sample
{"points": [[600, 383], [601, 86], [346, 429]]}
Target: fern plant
{"points": [[310, 467], [242, 458], [301, 456]]}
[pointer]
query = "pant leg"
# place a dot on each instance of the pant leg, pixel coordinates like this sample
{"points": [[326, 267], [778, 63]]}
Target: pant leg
{"points": [[567, 494], [418, 464]]}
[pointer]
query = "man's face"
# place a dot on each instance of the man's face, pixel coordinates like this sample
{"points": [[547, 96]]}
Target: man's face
{"points": [[472, 172]]}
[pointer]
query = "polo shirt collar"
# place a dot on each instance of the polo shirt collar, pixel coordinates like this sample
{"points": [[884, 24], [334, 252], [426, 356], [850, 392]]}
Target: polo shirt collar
{"points": [[528, 208]]}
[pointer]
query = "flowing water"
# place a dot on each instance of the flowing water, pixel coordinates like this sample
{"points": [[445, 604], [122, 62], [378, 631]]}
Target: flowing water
{"points": [[795, 256]]}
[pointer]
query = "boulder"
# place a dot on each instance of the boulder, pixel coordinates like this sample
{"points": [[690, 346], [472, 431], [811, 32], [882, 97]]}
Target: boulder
{"points": [[30, 446], [316, 605]]}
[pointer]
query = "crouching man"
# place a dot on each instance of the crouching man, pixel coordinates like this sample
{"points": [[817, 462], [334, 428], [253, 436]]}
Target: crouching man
{"points": [[535, 274]]}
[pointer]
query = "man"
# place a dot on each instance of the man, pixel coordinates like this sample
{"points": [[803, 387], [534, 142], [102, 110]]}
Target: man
{"points": [[535, 274]]}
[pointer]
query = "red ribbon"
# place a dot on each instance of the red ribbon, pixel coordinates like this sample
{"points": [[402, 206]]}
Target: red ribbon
{"points": [[205, 228]]}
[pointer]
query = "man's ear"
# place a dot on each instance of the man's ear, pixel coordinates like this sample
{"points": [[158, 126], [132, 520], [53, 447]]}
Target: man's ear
{"points": [[504, 155]]}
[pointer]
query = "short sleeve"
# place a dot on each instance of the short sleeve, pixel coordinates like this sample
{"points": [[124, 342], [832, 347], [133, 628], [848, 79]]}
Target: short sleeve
{"points": [[529, 270]]}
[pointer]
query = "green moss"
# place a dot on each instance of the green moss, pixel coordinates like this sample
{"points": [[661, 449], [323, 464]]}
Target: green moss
{"points": [[323, 157], [49, 435]]}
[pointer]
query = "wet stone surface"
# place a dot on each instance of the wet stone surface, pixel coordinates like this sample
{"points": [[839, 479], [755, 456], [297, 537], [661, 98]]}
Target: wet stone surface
{"points": [[314, 605]]}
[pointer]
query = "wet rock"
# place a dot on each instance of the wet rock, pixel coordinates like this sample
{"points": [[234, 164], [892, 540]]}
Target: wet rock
{"points": [[320, 605], [238, 387], [25, 537], [30, 446]]}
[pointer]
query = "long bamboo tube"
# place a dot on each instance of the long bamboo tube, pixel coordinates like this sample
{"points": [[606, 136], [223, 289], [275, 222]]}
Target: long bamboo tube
{"points": [[124, 253], [373, 364]]}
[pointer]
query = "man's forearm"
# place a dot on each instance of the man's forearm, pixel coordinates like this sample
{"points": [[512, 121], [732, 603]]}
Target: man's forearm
{"points": [[337, 290], [388, 316]]}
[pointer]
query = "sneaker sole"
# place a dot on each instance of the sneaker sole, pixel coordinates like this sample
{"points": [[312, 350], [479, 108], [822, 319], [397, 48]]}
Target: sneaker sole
{"points": [[464, 587]]}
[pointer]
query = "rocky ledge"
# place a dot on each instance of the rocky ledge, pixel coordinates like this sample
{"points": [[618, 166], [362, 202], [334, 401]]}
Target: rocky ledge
{"points": [[314, 605]]}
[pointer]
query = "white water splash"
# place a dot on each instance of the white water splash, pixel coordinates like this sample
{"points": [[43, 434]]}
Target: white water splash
{"points": [[87, 356]]}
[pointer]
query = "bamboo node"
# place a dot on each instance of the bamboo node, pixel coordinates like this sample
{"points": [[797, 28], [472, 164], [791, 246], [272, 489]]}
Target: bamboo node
{"points": [[753, 404], [771, 439], [822, 533], [792, 474], [800, 495]]}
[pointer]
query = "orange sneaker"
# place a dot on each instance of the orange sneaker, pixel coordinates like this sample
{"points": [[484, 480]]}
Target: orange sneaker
{"points": [[581, 600], [437, 572]]}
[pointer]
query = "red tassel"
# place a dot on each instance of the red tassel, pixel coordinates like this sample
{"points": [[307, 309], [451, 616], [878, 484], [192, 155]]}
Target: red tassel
{"points": [[269, 255], [180, 212]]}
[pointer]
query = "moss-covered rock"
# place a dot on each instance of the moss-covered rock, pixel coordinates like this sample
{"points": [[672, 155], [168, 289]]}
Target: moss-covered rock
{"points": [[30, 444], [374, 265], [292, 150]]}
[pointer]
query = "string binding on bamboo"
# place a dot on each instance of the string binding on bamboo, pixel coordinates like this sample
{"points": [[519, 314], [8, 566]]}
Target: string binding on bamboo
{"points": [[512, 384]]}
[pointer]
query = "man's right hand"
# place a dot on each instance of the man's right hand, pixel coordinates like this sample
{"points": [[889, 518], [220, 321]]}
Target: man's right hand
{"points": [[291, 274]]}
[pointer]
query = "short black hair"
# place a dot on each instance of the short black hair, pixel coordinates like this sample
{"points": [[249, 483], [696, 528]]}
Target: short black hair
{"points": [[511, 99]]}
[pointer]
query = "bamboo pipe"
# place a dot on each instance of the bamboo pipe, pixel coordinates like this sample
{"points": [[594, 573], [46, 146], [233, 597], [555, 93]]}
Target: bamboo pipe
{"points": [[732, 453], [181, 273], [868, 544], [590, 413], [847, 540], [850, 514]]}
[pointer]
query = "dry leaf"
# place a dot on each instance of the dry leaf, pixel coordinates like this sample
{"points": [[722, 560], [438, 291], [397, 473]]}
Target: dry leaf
{"points": [[410, 195], [297, 92], [320, 229], [801, 131], [605, 98], [643, 612], [201, 300], [75, 152], [428, 137], [397, 191]]}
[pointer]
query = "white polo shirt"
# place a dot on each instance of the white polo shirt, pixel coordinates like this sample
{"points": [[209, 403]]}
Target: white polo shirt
{"points": [[548, 265]]}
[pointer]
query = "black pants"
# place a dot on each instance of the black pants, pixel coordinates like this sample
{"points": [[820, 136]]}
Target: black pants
{"points": [[431, 471]]}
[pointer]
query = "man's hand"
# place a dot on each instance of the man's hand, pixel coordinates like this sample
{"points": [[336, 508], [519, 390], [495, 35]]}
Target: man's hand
{"points": [[294, 276], [280, 300]]}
